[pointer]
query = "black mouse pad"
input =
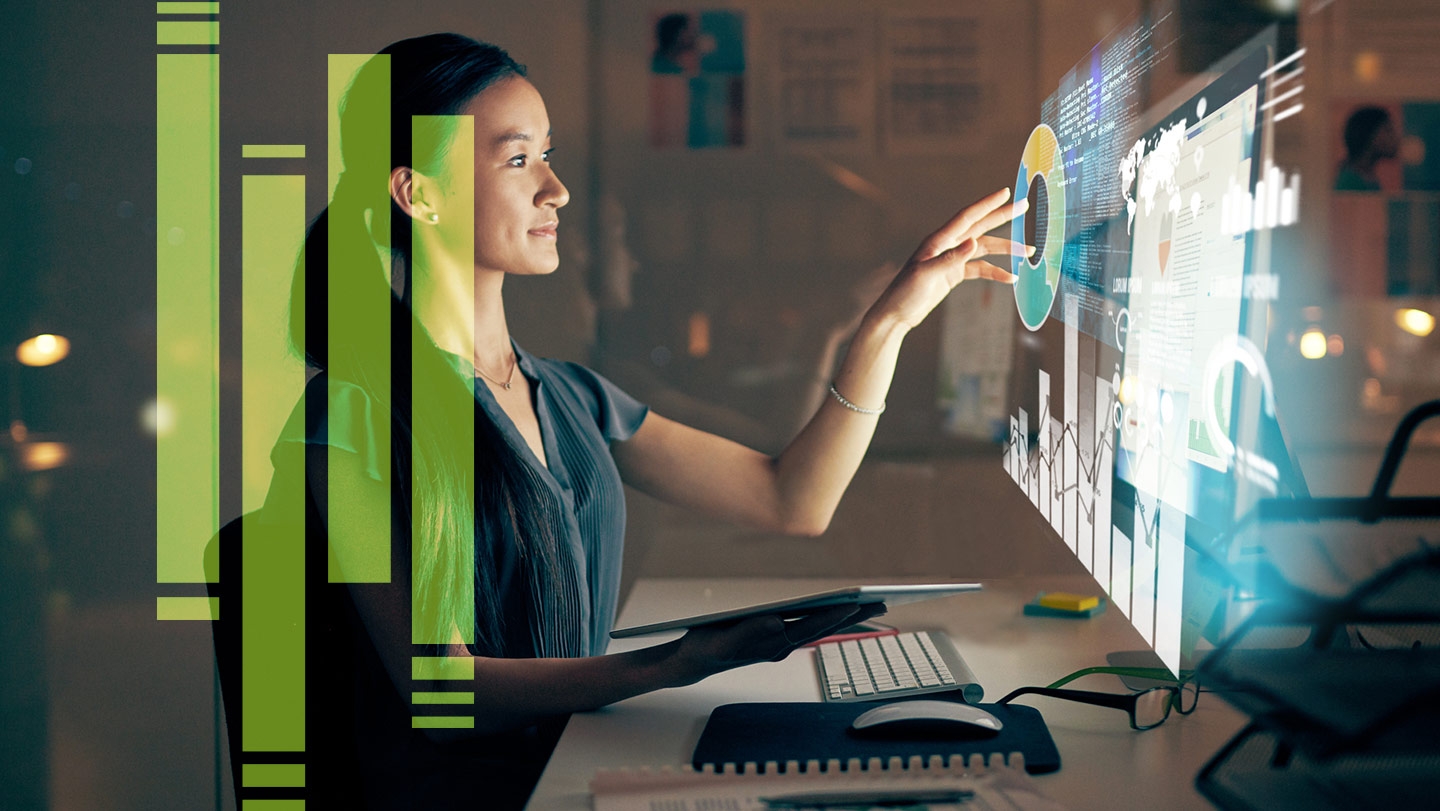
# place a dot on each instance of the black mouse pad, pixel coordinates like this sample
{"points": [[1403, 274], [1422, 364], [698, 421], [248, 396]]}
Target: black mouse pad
{"points": [[762, 732]]}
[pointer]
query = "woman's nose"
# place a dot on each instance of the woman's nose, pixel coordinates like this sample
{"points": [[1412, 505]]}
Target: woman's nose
{"points": [[553, 192]]}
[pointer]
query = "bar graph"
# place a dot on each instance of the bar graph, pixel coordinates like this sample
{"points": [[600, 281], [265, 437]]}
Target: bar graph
{"points": [[1275, 203], [1066, 474], [1066, 470]]}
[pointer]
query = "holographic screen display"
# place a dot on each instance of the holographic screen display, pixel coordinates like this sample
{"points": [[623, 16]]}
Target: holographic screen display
{"points": [[1151, 220]]}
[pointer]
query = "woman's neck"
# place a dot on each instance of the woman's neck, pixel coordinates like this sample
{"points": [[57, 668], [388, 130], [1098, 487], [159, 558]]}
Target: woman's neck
{"points": [[466, 321]]}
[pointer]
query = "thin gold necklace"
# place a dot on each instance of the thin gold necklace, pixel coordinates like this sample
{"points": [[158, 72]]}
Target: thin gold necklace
{"points": [[514, 362]]}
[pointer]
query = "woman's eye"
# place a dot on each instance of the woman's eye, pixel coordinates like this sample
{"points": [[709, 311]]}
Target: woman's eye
{"points": [[545, 156], [518, 160]]}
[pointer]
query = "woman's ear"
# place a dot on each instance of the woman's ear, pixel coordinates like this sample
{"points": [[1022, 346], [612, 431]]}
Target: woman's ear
{"points": [[408, 189]]}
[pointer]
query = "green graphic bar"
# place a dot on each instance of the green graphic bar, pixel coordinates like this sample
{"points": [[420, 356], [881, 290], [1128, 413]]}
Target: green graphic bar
{"points": [[359, 309], [272, 151], [442, 668], [272, 630], [272, 805], [273, 566], [187, 317], [440, 401], [272, 378], [187, 32], [273, 775], [187, 608], [419, 697], [442, 722], [187, 8]]}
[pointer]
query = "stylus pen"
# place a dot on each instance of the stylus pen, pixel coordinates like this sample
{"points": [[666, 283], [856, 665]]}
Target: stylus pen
{"points": [[883, 798]]}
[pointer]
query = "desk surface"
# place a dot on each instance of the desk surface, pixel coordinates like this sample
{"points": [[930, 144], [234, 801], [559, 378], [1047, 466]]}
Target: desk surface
{"points": [[1105, 764]]}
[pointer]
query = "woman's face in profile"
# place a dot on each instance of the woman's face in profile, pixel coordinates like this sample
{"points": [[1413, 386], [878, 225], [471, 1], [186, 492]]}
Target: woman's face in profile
{"points": [[517, 194]]}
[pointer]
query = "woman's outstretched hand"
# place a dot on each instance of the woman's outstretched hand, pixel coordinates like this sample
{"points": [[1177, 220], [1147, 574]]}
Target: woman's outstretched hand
{"points": [[710, 649], [949, 256]]}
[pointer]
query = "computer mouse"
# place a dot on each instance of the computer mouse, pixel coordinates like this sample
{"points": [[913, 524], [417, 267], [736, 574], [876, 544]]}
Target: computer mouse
{"points": [[927, 719]]}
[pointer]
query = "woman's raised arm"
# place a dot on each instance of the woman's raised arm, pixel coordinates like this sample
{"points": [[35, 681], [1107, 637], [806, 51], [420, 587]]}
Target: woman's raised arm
{"points": [[797, 491]]}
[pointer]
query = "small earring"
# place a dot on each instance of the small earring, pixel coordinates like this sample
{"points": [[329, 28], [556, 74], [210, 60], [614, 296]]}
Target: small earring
{"points": [[434, 217]]}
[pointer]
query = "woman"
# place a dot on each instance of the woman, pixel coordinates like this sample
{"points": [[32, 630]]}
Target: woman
{"points": [[531, 512]]}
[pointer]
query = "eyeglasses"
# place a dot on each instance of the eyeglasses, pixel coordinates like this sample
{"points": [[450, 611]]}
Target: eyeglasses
{"points": [[1148, 708]]}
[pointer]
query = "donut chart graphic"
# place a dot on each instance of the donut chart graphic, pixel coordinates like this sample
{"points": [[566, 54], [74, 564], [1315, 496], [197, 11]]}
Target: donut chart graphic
{"points": [[1039, 275]]}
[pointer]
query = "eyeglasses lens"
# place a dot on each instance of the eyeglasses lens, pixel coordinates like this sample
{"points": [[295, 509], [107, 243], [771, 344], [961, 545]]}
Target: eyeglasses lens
{"points": [[1152, 707], [1189, 695]]}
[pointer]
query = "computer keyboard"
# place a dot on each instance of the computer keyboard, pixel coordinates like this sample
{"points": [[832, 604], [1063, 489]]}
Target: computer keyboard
{"points": [[893, 666]]}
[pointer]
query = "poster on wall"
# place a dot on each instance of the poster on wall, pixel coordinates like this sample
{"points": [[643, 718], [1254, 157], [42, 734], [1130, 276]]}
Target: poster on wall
{"points": [[1386, 234], [697, 79], [934, 80], [823, 81]]}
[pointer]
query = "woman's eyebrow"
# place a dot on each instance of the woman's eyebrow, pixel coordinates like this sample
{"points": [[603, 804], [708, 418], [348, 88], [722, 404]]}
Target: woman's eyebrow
{"points": [[510, 137]]}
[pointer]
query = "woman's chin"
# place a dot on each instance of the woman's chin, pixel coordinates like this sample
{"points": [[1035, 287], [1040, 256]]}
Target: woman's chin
{"points": [[536, 270]]}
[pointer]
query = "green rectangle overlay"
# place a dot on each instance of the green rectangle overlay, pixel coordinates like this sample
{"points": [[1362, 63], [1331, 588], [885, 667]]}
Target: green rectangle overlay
{"points": [[436, 396], [187, 8], [187, 608], [187, 312], [421, 697], [442, 668], [442, 722], [187, 32], [273, 775], [272, 378], [272, 151], [272, 629], [358, 302]]}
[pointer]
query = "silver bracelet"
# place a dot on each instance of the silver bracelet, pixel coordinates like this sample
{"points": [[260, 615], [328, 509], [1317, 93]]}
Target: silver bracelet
{"points": [[852, 406]]}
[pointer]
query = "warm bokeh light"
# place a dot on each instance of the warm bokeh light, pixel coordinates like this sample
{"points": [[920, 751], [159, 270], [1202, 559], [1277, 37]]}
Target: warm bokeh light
{"points": [[43, 350], [1335, 344], [699, 338], [1415, 322], [1367, 66], [158, 417], [1312, 344], [36, 456], [18, 432]]}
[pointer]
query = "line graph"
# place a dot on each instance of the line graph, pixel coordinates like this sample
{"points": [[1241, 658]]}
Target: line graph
{"points": [[1065, 463], [1067, 472]]}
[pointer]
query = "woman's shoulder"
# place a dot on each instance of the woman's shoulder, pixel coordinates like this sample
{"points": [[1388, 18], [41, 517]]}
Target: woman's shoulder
{"points": [[615, 413], [339, 413]]}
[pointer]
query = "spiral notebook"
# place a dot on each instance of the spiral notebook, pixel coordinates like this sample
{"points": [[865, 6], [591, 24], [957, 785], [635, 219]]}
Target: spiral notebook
{"points": [[989, 784]]}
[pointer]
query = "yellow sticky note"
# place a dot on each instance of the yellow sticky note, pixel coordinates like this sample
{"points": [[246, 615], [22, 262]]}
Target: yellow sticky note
{"points": [[1069, 602]]}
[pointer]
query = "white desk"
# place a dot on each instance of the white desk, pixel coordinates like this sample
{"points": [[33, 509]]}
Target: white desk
{"points": [[1104, 764]]}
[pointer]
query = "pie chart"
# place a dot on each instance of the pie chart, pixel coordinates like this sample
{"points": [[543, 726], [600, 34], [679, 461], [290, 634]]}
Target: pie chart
{"points": [[1167, 230], [1039, 275]]}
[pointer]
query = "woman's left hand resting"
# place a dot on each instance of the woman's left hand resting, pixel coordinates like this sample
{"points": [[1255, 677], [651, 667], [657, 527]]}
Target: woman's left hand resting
{"points": [[710, 649], [949, 256]]}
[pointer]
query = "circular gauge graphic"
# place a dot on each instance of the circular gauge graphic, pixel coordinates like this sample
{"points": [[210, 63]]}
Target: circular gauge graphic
{"points": [[1039, 275]]}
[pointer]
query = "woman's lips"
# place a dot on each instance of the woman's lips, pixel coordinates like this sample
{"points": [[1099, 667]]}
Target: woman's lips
{"points": [[546, 231]]}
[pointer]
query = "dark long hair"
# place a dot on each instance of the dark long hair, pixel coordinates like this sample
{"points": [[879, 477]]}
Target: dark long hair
{"points": [[435, 75]]}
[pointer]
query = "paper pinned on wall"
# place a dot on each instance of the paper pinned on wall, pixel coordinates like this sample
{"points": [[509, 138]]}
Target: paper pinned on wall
{"points": [[823, 81], [934, 82]]}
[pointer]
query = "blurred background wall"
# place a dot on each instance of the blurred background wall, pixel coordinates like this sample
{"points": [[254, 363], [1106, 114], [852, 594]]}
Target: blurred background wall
{"points": [[710, 282]]}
